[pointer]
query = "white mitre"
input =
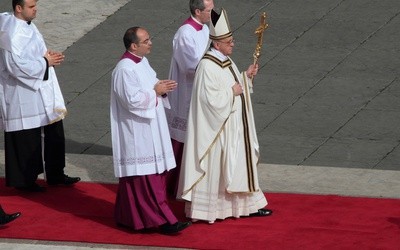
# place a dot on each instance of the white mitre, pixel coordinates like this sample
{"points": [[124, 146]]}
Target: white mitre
{"points": [[219, 26]]}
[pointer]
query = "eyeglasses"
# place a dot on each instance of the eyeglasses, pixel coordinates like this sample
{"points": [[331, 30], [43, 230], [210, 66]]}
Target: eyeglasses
{"points": [[228, 42]]}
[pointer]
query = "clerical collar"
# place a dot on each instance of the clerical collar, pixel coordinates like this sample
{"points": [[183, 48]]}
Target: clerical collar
{"points": [[218, 54], [194, 23], [133, 57]]}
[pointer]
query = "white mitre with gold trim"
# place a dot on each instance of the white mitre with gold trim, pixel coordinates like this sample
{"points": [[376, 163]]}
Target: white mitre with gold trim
{"points": [[219, 26]]}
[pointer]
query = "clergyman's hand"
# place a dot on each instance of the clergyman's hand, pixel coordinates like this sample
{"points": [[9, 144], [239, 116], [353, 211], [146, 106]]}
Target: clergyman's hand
{"points": [[162, 87], [54, 58]]}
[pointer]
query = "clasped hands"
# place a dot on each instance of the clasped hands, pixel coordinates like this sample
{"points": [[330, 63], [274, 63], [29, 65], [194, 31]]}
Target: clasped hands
{"points": [[162, 87], [54, 58]]}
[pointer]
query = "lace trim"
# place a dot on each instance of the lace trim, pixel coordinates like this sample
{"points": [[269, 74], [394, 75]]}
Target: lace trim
{"points": [[179, 123], [142, 160]]}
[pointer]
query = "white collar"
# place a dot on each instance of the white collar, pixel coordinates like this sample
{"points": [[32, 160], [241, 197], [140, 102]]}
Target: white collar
{"points": [[218, 54]]}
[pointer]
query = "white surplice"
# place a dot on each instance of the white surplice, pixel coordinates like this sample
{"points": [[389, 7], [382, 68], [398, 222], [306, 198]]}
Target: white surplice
{"points": [[140, 138], [219, 168], [27, 101], [189, 45]]}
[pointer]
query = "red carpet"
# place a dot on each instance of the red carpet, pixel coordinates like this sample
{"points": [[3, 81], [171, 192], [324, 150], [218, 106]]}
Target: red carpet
{"points": [[84, 213]]}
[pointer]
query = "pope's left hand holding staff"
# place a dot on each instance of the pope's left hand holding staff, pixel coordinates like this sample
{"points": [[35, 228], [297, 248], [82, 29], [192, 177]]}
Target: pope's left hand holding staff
{"points": [[32, 105]]}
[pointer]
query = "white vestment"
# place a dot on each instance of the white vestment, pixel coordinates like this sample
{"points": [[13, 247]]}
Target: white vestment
{"points": [[189, 45], [219, 166], [139, 130], [27, 100]]}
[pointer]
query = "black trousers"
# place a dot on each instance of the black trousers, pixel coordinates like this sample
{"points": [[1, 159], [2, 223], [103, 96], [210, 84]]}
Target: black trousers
{"points": [[23, 154]]}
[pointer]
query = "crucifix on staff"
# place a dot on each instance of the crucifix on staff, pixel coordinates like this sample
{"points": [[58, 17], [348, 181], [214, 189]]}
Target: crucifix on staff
{"points": [[259, 33]]}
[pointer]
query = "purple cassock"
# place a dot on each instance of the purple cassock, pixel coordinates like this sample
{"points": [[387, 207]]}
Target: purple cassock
{"points": [[141, 202]]}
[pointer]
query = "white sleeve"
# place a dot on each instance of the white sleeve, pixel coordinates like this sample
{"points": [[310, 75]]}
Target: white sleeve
{"points": [[28, 72], [186, 53], [132, 96]]}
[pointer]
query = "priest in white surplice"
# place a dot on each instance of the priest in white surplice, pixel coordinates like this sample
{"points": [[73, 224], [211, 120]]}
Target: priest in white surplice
{"points": [[32, 105], [219, 167], [189, 45], [142, 150]]}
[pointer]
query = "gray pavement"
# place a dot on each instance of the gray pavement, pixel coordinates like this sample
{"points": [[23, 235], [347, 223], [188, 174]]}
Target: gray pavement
{"points": [[326, 100]]}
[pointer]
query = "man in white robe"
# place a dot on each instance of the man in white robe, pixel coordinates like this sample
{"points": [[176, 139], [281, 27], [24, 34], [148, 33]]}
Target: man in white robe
{"points": [[32, 105], [142, 150], [219, 167], [188, 47]]}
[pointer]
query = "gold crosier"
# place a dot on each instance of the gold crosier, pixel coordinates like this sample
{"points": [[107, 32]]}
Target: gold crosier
{"points": [[259, 33]]}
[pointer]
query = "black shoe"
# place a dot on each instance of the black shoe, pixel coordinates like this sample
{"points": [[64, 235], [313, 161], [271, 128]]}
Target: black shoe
{"points": [[6, 218], [262, 212], [174, 228], [65, 180], [32, 188]]}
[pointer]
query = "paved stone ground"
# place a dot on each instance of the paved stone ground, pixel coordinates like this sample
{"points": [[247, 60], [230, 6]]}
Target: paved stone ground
{"points": [[326, 99], [326, 95]]}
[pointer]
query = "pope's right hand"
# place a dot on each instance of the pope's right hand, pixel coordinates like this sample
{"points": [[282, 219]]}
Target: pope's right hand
{"points": [[237, 89]]}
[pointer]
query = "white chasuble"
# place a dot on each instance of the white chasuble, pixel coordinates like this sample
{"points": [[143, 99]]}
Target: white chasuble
{"points": [[27, 100], [219, 171], [189, 45], [139, 130]]}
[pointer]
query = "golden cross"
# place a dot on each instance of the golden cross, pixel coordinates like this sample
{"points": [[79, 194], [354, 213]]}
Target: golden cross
{"points": [[259, 33]]}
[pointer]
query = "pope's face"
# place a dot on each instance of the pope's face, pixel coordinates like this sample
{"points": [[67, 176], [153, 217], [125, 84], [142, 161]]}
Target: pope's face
{"points": [[28, 11], [225, 46]]}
